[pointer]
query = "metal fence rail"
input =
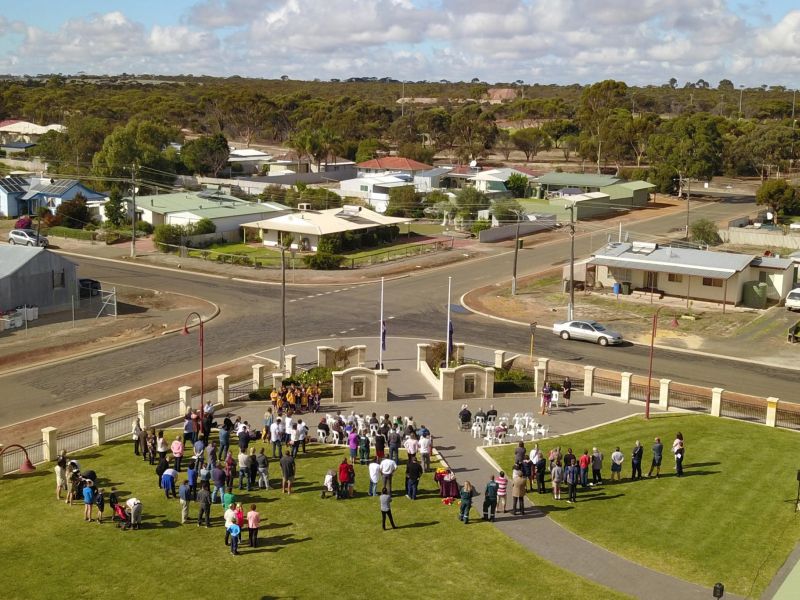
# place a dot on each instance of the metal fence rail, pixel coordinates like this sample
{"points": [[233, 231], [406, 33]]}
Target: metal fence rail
{"points": [[240, 391], [165, 412], [742, 409], [577, 383], [639, 392], [120, 426], [690, 401], [787, 417], [74, 440], [609, 387]]}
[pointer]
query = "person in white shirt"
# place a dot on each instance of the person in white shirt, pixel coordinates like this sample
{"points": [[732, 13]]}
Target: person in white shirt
{"points": [[411, 445], [294, 439], [388, 467], [425, 451], [244, 471], [230, 519], [134, 511], [374, 476], [276, 437], [302, 432], [616, 464]]}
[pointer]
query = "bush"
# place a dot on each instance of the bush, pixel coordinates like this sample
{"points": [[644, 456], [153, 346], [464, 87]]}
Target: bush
{"points": [[260, 394], [169, 234], [144, 227], [75, 234], [312, 376], [480, 225], [204, 226], [323, 261]]}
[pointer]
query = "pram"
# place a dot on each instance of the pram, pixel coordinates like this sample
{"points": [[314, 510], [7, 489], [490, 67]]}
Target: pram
{"points": [[124, 519]]}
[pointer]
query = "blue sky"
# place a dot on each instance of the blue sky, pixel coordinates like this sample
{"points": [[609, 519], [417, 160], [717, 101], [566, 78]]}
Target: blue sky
{"points": [[563, 41]]}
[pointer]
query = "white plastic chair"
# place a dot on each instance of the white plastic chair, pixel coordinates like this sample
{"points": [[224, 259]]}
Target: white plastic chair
{"points": [[542, 430], [480, 421], [554, 398], [477, 431], [490, 438], [321, 436], [336, 437]]}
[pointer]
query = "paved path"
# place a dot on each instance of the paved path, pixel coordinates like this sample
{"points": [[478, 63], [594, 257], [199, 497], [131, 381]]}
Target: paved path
{"points": [[413, 397]]}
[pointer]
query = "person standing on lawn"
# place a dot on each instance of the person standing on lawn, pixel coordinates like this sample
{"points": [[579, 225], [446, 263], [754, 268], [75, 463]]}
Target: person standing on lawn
{"points": [[541, 469], [467, 494], [572, 476], [679, 451], [518, 494], [658, 452], [288, 472], [136, 433], [388, 467], [185, 496], [617, 458], [100, 502], [411, 445], [556, 476], [204, 502], [386, 508], [88, 500], [413, 474], [519, 453], [177, 452], [363, 448], [374, 476], [636, 461], [584, 462], [425, 450], [168, 482], [490, 500], [161, 467], [597, 467], [61, 473], [253, 522], [231, 537]]}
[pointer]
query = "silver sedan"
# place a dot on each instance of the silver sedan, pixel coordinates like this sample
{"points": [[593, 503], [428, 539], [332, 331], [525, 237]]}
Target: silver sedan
{"points": [[591, 331]]}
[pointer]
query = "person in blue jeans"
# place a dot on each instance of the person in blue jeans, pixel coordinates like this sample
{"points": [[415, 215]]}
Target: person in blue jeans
{"points": [[413, 474]]}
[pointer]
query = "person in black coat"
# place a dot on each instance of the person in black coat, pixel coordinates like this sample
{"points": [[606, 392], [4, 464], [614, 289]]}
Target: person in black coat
{"points": [[162, 466], [636, 461]]}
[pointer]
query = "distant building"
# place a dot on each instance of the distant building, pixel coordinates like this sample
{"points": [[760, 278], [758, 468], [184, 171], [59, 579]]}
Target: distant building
{"points": [[24, 195], [36, 277], [500, 95], [374, 189], [24, 131], [391, 164]]}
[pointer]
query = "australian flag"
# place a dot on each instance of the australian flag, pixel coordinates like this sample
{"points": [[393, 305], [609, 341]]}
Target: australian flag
{"points": [[383, 336], [450, 338]]}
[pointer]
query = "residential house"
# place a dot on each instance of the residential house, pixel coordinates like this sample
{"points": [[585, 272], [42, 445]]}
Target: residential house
{"points": [[12, 189], [630, 194], [36, 277], [247, 160], [391, 164], [374, 189], [587, 206], [12, 148], [581, 182], [307, 227], [184, 208], [722, 277], [51, 193], [494, 180], [24, 131]]}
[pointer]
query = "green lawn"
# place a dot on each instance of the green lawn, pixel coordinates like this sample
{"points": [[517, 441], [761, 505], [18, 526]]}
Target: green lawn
{"points": [[731, 518], [311, 548]]}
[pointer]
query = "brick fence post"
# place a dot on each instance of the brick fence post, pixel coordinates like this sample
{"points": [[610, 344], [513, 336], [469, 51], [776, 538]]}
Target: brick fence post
{"points": [[588, 381], [258, 376], [772, 411], [98, 428], [223, 393], [50, 440], [185, 399], [663, 394], [625, 387], [143, 407]]}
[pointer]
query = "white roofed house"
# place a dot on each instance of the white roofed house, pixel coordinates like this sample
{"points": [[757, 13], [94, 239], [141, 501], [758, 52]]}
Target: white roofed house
{"points": [[494, 180], [248, 160], [374, 189], [24, 131], [722, 277], [307, 227]]}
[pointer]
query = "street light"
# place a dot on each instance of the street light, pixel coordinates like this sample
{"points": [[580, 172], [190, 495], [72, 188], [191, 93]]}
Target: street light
{"points": [[202, 355], [650, 370], [27, 465]]}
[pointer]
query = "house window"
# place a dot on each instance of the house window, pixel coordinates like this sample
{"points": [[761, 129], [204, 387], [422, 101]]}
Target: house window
{"points": [[358, 387], [364, 188], [762, 277], [712, 282], [620, 274], [59, 280], [469, 384], [675, 278]]}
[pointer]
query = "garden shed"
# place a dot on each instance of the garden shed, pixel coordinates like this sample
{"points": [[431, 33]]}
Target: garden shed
{"points": [[36, 277]]}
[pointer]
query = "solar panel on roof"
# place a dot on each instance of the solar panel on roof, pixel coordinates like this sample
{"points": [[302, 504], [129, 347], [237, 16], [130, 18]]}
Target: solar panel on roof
{"points": [[13, 184], [59, 186]]}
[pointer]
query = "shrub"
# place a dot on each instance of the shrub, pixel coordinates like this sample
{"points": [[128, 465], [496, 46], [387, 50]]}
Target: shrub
{"points": [[323, 261], [144, 227], [169, 234], [260, 394], [204, 226], [480, 225]]}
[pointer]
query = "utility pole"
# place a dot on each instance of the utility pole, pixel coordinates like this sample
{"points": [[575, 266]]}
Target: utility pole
{"points": [[133, 215], [283, 305], [791, 153], [688, 199], [571, 308], [516, 253], [403, 101]]}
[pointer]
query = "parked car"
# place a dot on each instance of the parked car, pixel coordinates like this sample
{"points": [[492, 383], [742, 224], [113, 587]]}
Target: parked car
{"points": [[89, 287], [590, 331], [27, 237], [793, 299]]}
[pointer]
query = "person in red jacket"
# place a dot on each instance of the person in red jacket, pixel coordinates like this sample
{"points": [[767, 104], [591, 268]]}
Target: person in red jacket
{"points": [[584, 462], [346, 478]]}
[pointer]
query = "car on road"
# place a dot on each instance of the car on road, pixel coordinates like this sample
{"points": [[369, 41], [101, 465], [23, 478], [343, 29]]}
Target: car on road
{"points": [[590, 331], [27, 237], [89, 287], [793, 299]]}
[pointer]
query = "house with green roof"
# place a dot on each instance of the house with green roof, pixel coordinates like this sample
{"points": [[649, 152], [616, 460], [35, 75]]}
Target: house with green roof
{"points": [[630, 194], [578, 183], [228, 213]]}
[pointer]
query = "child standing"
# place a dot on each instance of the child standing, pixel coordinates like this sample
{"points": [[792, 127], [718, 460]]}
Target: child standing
{"points": [[253, 521], [502, 486], [100, 503], [88, 501]]}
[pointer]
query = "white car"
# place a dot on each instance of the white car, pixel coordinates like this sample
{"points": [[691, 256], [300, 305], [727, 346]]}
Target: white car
{"points": [[590, 331], [793, 299], [27, 237]]}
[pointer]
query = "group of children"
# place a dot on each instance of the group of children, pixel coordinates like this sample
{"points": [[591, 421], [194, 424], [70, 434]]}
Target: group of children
{"points": [[297, 398]]}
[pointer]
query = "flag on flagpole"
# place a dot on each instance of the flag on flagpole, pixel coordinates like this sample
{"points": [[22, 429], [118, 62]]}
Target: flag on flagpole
{"points": [[383, 336], [450, 338]]}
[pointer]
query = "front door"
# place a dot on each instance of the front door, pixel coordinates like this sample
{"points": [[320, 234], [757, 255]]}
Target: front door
{"points": [[651, 280]]}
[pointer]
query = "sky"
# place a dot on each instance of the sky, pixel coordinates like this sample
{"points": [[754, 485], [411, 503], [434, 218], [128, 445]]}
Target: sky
{"points": [[642, 42]]}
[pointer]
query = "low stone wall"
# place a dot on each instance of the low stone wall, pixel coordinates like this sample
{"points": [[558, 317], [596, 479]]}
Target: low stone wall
{"points": [[354, 357], [359, 384]]}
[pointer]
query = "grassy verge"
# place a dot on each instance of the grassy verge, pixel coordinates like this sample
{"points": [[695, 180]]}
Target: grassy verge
{"points": [[730, 518], [310, 546]]}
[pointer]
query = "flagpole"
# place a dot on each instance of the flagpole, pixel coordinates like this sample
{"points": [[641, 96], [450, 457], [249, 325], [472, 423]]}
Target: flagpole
{"points": [[381, 332], [447, 337]]}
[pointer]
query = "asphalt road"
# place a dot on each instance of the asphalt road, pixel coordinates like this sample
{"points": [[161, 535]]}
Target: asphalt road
{"points": [[414, 306]]}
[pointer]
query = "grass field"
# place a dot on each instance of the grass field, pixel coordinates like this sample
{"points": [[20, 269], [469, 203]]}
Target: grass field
{"points": [[311, 548], [731, 518]]}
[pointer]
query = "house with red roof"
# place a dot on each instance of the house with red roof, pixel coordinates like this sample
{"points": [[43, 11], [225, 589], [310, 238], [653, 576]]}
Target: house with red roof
{"points": [[391, 164]]}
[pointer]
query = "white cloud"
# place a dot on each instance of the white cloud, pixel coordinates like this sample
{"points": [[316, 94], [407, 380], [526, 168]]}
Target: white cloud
{"points": [[639, 41]]}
